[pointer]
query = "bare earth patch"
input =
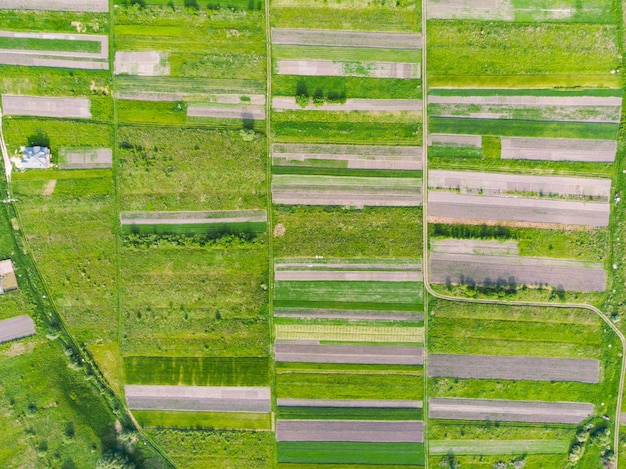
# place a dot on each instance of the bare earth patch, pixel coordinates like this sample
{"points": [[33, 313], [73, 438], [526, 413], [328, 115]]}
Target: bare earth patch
{"points": [[16, 328], [48, 189], [372, 355], [41, 106], [597, 151], [378, 431], [310, 37]]}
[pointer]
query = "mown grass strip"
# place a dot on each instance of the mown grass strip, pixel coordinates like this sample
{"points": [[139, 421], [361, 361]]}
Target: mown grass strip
{"points": [[197, 371], [348, 413], [496, 447], [519, 128], [195, 228], [50, 44], [596, 92], [349, 333], [345, 54], [203, 420], [355, 453], [542, 81]]}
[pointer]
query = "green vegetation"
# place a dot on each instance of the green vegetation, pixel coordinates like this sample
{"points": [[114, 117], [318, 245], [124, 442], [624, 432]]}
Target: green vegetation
{"points": [[194, 449], [367, 295], [521, 128], [54, 81], [203, 420], [68, 217], [499, 447], [197, 371], [478, 48], [345, 54], [54, 21], [350, 87], [403, 15], [179, 301], [349, 413], [165, 168], [50, 44], [356, 453], [357, 385]]}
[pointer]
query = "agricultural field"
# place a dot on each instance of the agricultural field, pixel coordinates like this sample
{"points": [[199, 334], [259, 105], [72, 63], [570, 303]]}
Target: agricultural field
{"points": [[349, 373], [520, 368]]}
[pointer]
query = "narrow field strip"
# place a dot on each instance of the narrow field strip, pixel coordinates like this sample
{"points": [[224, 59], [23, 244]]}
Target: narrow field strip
{"points": [[203, 420], [173, 95], [16, 328], [501, 183], [355, 156], [509, 411], [386, 105], [380, 431], [591, 101], [175, 218], [353, 453], [313, 270], [310, 37], [190, 88], [451, 139], [56, 5], [348, 333], [473, 209], [349, 403], [366, 355], [198, 398], [547, 149], [515, 368], [473, 269], [498, 447], [96, 158], [56, 44], [42, 106], [47, 60], [475, 246], [312, 313], [334, 68], [346, 191], [233, 111], [501, 10], [145, 63]]}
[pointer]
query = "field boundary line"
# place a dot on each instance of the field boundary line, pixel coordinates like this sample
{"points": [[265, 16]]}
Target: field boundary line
{"points": [[270, 226], [424, 74]]}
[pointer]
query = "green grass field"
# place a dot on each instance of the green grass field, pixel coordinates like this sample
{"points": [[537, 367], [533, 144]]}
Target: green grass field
{"points": [[166, 168], [237, 450], [348, 413], [351, 453], [197, 371], [203, 420], [474, 48]]}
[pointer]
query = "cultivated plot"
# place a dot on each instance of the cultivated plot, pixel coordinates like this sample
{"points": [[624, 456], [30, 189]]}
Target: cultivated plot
{"points": [[56, 5], [321, 313], [198, 398], [514, 368], [233, 221], [81, 51], [594, 11], [371, 355], [16, 328], [309, 37], [498, 447], [317, 333], [346, 191], [451, 207], [367, 105], [456, 140], [232, 111], [549, 149], [489, 270], [350, 430], [475, 246], [78, 108], [333, 68], [97, 158], [145, 63], [467, 182], [347, 270], [343, 403], [510, 411], [347, 156]]}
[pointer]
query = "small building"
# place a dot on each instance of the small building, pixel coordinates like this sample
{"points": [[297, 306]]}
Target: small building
{"points": [[8, 281], [33, 158]]}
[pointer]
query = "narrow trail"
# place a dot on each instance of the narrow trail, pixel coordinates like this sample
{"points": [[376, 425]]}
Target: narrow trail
{"points": [[5, 156], [426, 266]]}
